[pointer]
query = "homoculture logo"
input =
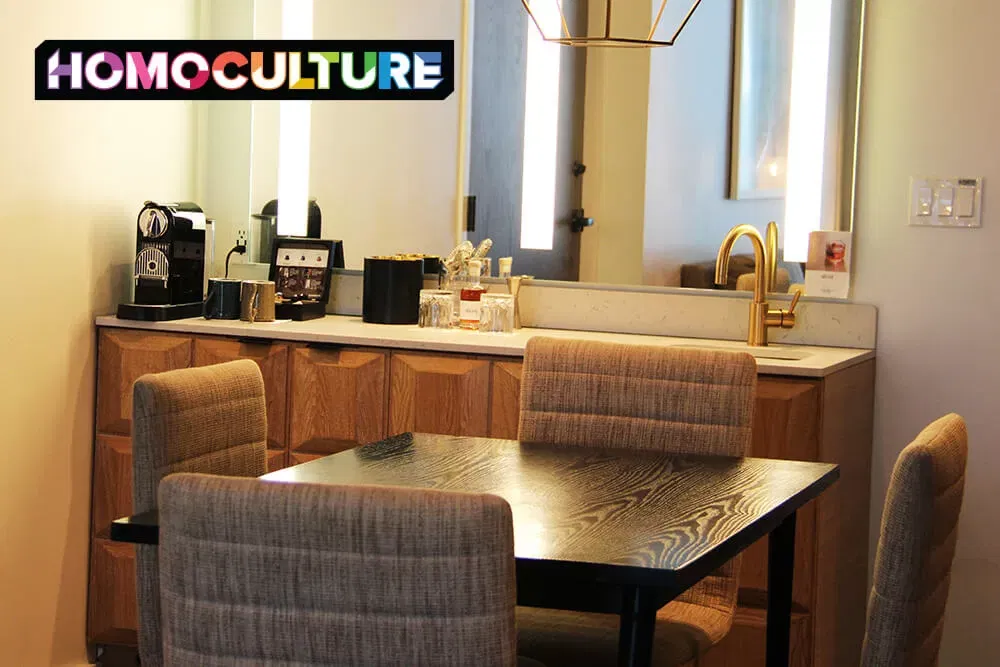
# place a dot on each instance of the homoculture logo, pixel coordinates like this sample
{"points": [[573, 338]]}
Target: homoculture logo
{"points": [[244, 69]]}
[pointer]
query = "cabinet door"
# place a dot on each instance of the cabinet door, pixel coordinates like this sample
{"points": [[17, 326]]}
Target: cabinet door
{"points": [[431, 393], [112, 613], [123, 355], [112, 484], [785, 426], [338, 399], [505, 399], [272, 358], [276, 459]]}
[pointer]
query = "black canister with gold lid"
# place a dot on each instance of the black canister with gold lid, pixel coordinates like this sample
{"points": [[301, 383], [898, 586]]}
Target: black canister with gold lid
{"points": [[392, 287]]}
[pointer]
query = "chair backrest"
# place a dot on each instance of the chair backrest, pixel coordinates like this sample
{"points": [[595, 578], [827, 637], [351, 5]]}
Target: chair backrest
{"points": [[261, 573], [916, 548], [745, 283], [210, 419], [667, 399]]}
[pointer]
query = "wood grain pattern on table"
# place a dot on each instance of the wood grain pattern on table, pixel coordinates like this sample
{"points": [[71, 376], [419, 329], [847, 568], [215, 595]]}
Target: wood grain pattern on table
{"points": [[588, 506]]}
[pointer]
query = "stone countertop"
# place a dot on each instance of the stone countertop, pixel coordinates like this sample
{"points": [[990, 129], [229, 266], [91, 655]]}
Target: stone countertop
{"points": [[798, 360]]}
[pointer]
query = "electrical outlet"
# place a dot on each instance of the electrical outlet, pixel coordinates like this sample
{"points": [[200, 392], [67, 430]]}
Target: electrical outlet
{"points": [[241, 238]]}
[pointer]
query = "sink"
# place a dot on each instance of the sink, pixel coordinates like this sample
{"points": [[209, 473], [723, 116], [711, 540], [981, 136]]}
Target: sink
{"points": [[782, 353]]}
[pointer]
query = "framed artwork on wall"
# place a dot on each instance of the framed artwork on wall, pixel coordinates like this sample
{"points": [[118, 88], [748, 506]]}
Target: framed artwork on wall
{"points": [[762, 76]]}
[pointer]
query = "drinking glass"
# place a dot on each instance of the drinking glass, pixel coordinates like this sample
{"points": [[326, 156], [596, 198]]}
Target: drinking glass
{"points": [[436, 308], [496, 313]]}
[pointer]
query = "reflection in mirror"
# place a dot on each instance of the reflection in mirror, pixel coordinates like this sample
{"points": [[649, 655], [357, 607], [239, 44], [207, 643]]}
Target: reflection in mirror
{"points": [[656, 153]]}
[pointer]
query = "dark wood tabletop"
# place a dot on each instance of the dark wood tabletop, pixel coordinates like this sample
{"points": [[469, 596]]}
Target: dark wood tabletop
{"points": [[591, 525], [595, 508], [589, 506]]}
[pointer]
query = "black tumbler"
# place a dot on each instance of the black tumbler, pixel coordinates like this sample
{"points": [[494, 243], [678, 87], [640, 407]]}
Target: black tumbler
{"points": [[223, 301], [392, 290]]}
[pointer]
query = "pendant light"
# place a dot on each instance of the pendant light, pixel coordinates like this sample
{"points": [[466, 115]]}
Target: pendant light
{"points": [[609, 38]]}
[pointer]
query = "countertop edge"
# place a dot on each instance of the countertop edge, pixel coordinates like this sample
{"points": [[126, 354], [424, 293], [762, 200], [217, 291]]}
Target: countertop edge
{"points": [[499, 347]]}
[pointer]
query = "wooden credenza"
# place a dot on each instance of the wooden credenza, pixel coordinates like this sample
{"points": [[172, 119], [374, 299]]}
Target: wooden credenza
{"points": [[323, 399]]}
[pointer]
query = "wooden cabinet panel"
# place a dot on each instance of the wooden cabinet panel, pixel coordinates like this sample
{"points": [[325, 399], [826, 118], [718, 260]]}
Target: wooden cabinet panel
{"points": [[337, 400], [785, 426], [112, 485], [276, 459], [746, 642], [431, 393], [505, 399], [112, 614], [296, 458], [122, 357], [272, 358]]}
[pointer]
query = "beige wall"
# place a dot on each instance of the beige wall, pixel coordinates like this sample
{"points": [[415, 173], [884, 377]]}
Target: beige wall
{"points": [[932, 106], [385, 175], [73, 176], [614, 150]]}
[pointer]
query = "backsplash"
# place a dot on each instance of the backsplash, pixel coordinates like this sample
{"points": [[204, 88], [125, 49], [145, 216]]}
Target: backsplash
{"points": [[656, 311]]}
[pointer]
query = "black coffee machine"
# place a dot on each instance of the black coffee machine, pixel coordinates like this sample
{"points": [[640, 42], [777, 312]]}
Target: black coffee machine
{"points": [[169, 269]]}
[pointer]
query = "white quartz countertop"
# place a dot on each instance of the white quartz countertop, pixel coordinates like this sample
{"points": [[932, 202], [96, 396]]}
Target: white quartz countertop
{"points": [[800, 360]]}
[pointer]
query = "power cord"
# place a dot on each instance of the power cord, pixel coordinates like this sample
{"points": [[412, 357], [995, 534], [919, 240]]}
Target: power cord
{"points": [[239, 248]]}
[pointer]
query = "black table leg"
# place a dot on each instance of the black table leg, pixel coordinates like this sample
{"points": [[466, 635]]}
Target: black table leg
{"points": [[635, 632], [780, 571]]}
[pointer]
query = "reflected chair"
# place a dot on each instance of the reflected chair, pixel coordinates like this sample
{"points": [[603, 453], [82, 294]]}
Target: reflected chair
{"points": [[591, 394], [916, 548], [782, 282], [210, 419], [267, 573]]}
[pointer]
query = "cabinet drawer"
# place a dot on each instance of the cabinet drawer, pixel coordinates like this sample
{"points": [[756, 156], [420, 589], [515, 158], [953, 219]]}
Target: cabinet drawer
{"points": [[112, 485], [431, 393], [123, 356], [505, 399], [337, 399], [112, 611]]}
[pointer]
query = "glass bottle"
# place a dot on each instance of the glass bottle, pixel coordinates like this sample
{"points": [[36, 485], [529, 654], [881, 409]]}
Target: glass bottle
{"points": [[471, 294]]}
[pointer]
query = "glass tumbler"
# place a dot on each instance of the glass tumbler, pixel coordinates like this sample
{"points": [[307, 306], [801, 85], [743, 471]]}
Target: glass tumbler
{"points": [[436, 306], [496, 313]]}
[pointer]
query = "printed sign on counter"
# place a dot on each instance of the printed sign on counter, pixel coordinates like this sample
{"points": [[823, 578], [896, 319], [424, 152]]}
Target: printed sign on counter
{"points": [[828, 269]]}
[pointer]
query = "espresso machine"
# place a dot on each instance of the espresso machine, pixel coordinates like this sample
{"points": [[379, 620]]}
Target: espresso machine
{"points": [[169, 268]]}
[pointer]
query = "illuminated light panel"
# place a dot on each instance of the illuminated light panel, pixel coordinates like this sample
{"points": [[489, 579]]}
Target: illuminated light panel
{"points": [[294, 127], [541, 130], [807, 125]]}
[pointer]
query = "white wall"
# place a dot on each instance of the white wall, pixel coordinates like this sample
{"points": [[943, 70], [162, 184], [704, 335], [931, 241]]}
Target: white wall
{"points": [[73, 176], [385, 174], [931, 106], [687, 159]]}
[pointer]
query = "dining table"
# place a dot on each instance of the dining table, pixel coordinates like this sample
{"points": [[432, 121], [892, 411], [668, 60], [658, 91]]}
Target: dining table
{"points": [[611, 530]]}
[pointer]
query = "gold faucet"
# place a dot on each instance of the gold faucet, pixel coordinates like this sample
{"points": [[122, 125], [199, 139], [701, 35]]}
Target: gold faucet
{"points": [[766, 262]]}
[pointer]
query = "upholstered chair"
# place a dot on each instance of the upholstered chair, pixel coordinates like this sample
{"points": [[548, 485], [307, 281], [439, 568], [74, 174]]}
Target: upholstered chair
{"points": [[782, 282], [916, 548], [210, 419], [591, 394], [266, 573]]}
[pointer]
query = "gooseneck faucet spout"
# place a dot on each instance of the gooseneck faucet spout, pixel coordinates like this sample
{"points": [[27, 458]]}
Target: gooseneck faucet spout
{"points": [[765, 260]]}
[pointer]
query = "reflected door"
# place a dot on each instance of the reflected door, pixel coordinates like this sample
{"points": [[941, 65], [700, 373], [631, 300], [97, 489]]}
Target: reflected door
{"points": [[526, 138]]}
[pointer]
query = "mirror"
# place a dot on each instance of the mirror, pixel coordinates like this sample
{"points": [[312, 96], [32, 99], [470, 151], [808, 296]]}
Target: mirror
{"points": [[663, 150]]}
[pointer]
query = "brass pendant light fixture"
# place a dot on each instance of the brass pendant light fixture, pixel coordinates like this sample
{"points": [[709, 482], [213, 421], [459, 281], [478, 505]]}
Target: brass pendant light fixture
{"points": [[608, 38]]}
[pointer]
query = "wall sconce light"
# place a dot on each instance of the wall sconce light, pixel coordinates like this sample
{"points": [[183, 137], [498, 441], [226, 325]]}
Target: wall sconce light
{"points": [[608, 38]]}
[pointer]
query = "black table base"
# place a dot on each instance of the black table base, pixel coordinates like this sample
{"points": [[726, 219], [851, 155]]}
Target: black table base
{"points": [[780, 573]]}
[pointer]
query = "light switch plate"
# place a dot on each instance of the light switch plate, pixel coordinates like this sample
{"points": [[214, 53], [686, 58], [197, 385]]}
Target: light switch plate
{"points": [[946, 202]]}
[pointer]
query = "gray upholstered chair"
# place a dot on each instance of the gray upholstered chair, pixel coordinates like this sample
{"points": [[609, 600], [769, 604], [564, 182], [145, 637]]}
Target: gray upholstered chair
{"points": [[210, 419], [916, 548], [265, 573], [590, 394]]}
